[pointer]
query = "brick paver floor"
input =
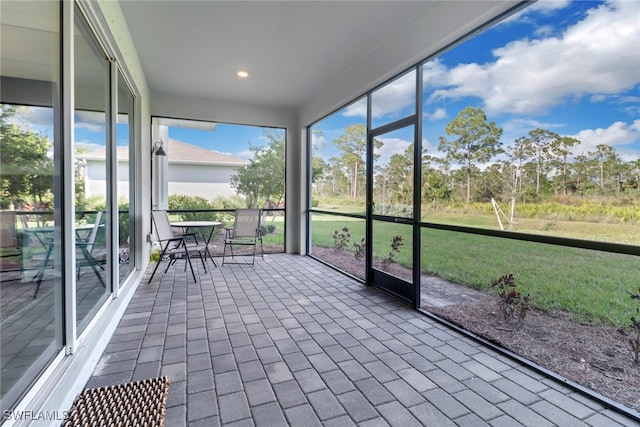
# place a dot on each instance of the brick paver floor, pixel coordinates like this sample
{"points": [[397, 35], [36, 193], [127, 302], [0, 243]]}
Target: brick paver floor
{"points": [[291, 342]]}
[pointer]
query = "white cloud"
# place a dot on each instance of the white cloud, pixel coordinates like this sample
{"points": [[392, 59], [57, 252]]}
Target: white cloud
{"points": [[522, 126], [357, 109], [547, 6], [544, 31], [630, 105], [391, 146], [90, 126], [544, 7], [619, 133], [318, 140], [597, 56], [391, 99], [434, 74], [35, 119], [90, 147], [431, 148], [245, 155], [437, 114]]}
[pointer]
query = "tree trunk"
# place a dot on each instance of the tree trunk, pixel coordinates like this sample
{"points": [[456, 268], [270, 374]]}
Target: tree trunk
{"points": [[354, 190]]}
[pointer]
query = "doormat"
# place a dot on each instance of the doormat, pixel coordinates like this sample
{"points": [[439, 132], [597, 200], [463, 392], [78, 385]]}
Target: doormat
{"points": [[139, 403]]}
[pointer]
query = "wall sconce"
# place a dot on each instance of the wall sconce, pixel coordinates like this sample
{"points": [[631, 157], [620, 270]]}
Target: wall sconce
{"points": [[158, 150]]}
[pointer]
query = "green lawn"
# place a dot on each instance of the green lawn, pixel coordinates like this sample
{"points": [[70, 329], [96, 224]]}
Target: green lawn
{"points": [[591, 284]]}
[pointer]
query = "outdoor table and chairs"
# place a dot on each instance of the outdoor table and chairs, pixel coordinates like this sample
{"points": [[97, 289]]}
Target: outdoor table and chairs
{"points": [[204, 229], [181, 246], [85, 242]]}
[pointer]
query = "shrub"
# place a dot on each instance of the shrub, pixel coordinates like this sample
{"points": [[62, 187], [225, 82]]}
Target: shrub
{"points": [[341, 239], [360, 249], [510, 301], [632, 336], [267, 229], [396, 242]]}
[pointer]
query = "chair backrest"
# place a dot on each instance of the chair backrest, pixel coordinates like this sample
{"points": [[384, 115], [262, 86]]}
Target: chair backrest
{"points": [[91, 238], [8, 234], [247, 222], [25, 221], [162, 225]]}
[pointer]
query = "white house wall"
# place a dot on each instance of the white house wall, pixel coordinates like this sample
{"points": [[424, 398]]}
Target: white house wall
{"points": [[201, 180], [208, 181]]}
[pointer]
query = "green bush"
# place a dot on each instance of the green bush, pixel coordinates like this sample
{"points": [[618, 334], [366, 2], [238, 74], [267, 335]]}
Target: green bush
{"points": [[267, 229]]}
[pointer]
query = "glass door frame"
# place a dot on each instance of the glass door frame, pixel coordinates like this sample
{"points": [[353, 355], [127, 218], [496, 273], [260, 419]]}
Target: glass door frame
{"points": [[374, 277]]}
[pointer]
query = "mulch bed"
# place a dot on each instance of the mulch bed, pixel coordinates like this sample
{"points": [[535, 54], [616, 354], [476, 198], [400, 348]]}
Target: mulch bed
{"points": [[593, 356]]}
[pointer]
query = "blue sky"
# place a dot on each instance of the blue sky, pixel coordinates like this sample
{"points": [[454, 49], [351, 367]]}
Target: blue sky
{"points": [[569, 67], [230, 139]]}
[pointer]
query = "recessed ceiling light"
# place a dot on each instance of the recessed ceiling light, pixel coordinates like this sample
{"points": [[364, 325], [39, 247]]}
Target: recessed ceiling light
{"points": [[243, 74]]}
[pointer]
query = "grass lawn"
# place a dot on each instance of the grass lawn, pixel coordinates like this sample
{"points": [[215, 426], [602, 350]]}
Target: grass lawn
{"points": [[591, 284], [628, 233]]}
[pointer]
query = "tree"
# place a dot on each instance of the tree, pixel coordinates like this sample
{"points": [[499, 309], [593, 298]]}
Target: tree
{"points": [[561, 149], [262, 179], [582, 168], [318, 165], [607, 159], [478, 140], [540, 141], [26, 166], [399, 174], [518, 154], [337, 177], [353, 144], [434, 188]]}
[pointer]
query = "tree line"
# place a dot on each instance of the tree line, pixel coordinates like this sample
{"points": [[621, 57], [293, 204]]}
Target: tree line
{"points": [[25, 162], [472, 164]]}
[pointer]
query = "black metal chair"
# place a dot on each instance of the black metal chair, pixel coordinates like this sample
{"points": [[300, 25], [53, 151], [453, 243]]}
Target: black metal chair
{"points": [[176, 246], [87, 254]]}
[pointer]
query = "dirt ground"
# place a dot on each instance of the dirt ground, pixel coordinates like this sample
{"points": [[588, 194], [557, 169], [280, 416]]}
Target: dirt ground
{"points": [[595, 357]]}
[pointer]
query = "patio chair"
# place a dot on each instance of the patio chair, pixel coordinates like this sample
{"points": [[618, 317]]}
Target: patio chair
{"points": [[176, 246], [9, 242], [87, 255], [246, 231], [8, 233]]}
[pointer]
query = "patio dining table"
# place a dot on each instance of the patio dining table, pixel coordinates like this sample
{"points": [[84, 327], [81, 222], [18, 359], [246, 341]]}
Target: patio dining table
{"points": [[45, 235], [200, 229]]}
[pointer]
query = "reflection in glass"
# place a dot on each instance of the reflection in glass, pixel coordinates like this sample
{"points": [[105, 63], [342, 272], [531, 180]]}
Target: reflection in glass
{"points": [[92, 104], [125, 189], [30, 200], [338, 149], [340, 242]]}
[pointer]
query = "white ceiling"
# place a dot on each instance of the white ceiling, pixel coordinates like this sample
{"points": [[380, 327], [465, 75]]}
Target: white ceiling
{"points": [[293, 50]]}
